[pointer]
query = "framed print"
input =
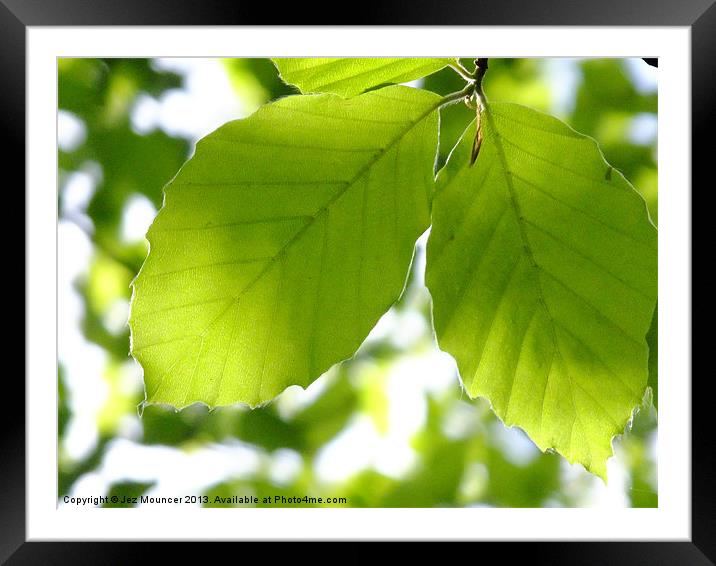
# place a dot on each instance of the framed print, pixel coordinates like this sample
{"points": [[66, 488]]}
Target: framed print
{"points": [[396, 282]]}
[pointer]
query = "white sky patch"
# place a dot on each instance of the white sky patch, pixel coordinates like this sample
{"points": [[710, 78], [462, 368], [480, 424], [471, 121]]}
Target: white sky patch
{"points": [[643, 129], [408, 408], [144, 115], [285, 466], [130, 376], [84, 362], [130, 427], [588, 490], [206, 102], [435, 370], [295, 398], [410, 326], [137, 216], [78, 190], [385, 326], [395, 457], [613, 494], [360, 445], [175, 471], [420, 258], [643, 76], [349, 452], [115, 317], [417, 83], [407, 414], [513, 443], [462, 421], [405, 328], [71, 131], [564, 78], [88, 485]]}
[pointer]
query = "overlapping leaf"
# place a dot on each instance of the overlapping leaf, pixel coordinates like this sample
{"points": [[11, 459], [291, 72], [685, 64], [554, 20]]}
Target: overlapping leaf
{"points": [[542, 269], [351, 76], [281, 243]]}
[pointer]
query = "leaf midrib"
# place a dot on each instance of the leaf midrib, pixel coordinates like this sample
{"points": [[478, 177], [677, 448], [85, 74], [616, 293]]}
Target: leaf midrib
{"points": [[527, 247], [324, 209], [553, 323], [380, 68]]}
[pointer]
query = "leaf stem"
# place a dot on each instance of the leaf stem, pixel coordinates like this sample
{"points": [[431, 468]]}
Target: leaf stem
{"points": [[463, 94], [462, 71], [474, 84], [480, 71]]}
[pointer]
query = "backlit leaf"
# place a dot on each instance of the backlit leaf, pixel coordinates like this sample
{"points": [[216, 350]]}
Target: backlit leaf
{"points": [[542, 268], [280, 244], [351, 76]]}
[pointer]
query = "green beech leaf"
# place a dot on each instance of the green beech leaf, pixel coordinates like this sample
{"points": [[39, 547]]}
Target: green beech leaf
{"points": [[542, 266], [652, 339], [280, 244], [351, 76]]}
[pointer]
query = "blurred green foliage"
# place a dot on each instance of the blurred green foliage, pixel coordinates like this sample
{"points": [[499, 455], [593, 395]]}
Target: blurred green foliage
{"points": [[463, 455]]}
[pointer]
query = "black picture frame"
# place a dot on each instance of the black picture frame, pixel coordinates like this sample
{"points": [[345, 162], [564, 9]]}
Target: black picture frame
{"points": [[698, 15]]}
